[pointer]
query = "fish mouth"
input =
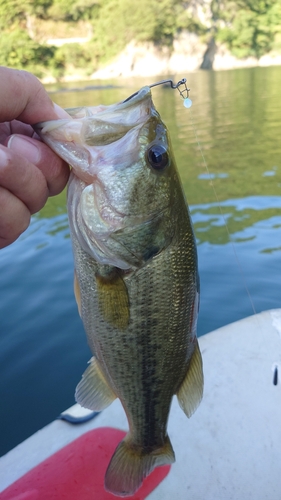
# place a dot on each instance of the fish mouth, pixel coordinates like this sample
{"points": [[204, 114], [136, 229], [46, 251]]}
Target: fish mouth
{"points": [[84, 139], [100, 110], [135, 98], [84, 113], [139, 95]]}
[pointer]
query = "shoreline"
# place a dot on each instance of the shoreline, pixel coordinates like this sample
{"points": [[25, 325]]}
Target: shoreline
{"points": [[187, 55]]}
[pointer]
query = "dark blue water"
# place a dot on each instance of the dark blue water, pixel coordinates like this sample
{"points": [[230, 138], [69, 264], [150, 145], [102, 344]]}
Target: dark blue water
{"points": [[236, 117]]}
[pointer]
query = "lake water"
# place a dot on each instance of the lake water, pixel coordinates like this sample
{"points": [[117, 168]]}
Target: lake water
{"points": [[236, 119]]}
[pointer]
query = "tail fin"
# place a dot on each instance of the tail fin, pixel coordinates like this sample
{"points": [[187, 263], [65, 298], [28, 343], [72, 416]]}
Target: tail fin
{"points": [[128, 466]]}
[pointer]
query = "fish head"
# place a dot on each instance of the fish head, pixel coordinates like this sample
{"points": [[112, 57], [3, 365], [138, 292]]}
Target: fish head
{"points": [[123, 182]]}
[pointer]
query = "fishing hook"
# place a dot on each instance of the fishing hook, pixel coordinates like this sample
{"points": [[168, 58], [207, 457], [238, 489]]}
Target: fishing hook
{"points": [[184, 93]]}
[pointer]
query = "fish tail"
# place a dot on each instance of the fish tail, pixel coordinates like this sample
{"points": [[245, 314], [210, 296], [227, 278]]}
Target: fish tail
{"points": [[128, 466]]}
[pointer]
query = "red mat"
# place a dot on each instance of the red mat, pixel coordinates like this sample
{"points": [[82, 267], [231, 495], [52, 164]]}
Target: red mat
{"points": [[76, 472]]}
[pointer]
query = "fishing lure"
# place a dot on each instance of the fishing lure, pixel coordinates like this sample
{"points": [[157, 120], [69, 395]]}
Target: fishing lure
{"points": [[184, 92]]}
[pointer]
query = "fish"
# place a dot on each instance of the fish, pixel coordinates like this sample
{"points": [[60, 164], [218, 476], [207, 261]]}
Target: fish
{"points": [[136, 275]]}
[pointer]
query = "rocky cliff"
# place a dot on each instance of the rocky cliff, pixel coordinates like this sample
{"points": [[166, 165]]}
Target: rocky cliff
{"points": [[187, 54]]}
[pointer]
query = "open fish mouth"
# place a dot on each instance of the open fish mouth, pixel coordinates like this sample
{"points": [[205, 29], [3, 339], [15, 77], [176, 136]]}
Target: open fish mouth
{"points": [[110, 112], [96, 136]]}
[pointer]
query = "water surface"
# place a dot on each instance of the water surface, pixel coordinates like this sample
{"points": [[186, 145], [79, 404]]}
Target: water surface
{"points": [[228, 149]]}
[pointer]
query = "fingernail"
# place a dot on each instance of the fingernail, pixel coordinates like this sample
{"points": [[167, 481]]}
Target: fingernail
{"points": [[60, 112], [25, 147]]}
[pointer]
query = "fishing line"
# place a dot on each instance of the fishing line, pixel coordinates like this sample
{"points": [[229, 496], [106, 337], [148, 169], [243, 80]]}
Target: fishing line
{"points": [[223, 217], [187, 102]]}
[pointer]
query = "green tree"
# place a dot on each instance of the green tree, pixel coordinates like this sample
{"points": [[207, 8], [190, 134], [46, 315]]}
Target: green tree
{"points": [[39, 8], [250, 26], [72, 56], [72, 10], [117, 22], [15, 12], [18, 50], [12, 12]]}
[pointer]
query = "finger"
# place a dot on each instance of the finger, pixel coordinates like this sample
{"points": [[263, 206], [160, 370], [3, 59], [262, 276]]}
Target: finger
{"points": [[15, 127], [25, 98], [14, 217], [54, 169], [23, 179]]}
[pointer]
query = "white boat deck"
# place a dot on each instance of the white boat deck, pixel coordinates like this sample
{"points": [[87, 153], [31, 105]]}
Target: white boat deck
{"points": [[231, 447]]}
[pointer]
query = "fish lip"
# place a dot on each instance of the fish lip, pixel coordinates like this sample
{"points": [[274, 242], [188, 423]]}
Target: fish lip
{"points": [[135, 98], [132, 100], [54, 124]]}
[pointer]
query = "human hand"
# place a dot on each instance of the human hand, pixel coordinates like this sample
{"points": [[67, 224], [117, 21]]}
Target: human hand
{"points": [[29, 170]]}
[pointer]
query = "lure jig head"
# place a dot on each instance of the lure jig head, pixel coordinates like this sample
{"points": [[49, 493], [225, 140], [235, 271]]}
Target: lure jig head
{"points": [[184, 92]]}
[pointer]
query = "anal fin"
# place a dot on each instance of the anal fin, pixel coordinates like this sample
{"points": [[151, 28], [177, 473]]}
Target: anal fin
{"points": [[93, 391], [190, 392]]}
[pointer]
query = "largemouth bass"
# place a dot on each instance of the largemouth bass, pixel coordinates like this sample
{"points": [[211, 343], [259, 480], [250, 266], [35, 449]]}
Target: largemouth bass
{"points": [[136, 276]]}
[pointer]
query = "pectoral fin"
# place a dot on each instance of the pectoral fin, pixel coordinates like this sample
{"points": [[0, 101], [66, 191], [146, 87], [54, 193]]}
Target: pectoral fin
{"points": [[93, 391], [191, 390], [113, 299]]}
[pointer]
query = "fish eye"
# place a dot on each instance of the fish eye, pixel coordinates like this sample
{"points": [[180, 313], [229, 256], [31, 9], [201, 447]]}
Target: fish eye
{"points": [[158, 157]]}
